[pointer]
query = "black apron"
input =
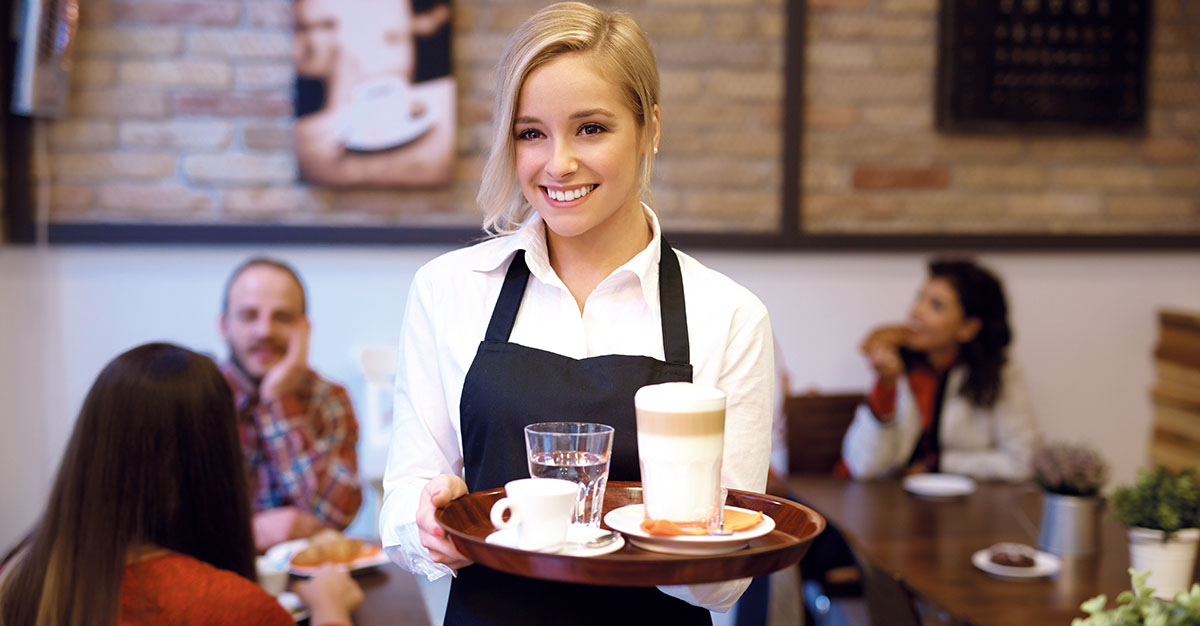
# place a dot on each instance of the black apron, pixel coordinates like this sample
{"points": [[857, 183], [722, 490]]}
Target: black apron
{"points": [[510, 386]]}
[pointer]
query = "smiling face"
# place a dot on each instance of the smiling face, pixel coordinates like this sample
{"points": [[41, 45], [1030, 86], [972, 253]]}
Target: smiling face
{"points": [[578, 149], [264, 306], [937, 321]]}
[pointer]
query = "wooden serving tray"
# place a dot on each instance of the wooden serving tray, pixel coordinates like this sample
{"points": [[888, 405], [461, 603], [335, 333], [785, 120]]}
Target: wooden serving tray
{"points": [[466, 520]]}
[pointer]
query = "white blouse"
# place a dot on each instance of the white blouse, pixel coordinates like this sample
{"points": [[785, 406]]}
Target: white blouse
{"points": [[448, 310]]}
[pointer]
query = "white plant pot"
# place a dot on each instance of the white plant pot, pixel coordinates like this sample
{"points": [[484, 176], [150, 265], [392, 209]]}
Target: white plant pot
{"points": [[1170, 563]]}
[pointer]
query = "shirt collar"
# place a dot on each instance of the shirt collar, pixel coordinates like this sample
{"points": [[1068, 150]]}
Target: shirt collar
{"points": [[531, 238]]}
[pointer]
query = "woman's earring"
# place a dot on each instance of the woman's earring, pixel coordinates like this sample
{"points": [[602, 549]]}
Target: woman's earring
{"points": [[655, 149]]}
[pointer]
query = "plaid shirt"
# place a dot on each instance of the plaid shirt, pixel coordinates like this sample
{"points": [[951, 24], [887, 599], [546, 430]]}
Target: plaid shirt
{"points": [[300, 449]]}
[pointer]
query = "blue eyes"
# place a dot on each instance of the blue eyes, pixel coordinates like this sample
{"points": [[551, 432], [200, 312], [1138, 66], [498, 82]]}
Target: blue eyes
{"points": [[528, 134]]}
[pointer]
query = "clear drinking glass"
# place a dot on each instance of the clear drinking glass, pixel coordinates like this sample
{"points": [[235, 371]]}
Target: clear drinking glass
{"points": [[574, 451]]}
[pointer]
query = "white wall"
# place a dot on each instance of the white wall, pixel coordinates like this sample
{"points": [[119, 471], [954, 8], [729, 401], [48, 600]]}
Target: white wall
{"points": [[1085, 326]]}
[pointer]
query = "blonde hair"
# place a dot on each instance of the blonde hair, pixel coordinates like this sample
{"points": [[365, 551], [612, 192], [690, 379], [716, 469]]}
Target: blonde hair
{"points": [[620, 49]]}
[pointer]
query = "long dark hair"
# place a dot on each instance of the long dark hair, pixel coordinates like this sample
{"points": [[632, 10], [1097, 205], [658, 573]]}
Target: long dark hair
{"points": [[982, 297], [154, 460]]}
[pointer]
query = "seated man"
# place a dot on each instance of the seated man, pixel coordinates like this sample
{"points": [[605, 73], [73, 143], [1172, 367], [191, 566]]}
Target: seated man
{"points": [[298, 430]]}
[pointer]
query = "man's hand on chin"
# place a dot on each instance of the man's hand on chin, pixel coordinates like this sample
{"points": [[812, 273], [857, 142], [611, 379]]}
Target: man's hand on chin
{"points": [[286, 375], [278, 525]]}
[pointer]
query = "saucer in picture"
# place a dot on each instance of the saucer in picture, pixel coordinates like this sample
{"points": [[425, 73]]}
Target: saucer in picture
{"points": [[1044, 564], [628, 521]]}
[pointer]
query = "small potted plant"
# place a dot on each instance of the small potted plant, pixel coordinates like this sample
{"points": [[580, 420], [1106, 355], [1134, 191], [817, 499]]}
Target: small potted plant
{"points": [[1139, 607], [1162, 512], [1071, 477]]}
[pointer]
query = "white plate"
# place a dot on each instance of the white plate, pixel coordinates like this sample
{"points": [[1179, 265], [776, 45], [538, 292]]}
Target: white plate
{"points": [[1044, 564], [294, 605], [628, 520], [286, 550], [938, 485], [576, 534]]}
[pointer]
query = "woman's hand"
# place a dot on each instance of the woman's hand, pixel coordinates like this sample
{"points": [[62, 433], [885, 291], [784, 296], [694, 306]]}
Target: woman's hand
{"points": [[885, 360], [331, 596], [437, 494]]}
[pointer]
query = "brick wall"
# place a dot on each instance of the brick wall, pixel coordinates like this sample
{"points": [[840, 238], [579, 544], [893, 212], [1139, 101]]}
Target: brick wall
{"points": [[873, 163], [181, 113]]}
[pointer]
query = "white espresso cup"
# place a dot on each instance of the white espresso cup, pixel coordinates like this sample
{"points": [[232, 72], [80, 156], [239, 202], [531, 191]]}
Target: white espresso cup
{"points": [[681, 437], [272, 574], [539, 508]]}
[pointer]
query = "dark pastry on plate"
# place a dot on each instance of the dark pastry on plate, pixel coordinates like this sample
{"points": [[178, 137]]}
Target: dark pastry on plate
{"points": [[1012, 555]]}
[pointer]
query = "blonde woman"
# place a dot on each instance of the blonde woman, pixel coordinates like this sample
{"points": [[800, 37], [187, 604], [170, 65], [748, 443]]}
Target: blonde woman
{"points": [[573, 304]]}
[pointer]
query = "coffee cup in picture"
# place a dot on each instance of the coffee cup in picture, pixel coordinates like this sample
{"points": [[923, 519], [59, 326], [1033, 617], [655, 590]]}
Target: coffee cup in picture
{"points": [[681, 437], [539, 508]]}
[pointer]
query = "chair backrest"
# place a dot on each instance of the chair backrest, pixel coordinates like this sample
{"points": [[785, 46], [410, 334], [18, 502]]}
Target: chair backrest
{"points": [[816, 423]]}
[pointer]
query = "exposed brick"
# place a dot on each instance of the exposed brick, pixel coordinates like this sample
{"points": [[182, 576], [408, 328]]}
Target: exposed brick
{"points": [[876, 28], [722, 171], [75, 133], [126, 102], [269, 137], [907, 56], [745, 143], [834, 56], [104, 165], [155, 198], [903, 150], [672, 23], [1111, 178], [1175, 92], [231, 104], [1170, 65], [209, 13], [825, 176], [127, 41], [857, 205], [264, 76], [71, 197], [1000, 177], [1055, 204], [276, 200], [240, 168], [924, 7], [899, 116], [93, 73], [681, 84], [177, 133], [176, 74], [1173, 150], [892, 178], [240, 44], [485, 48], [870, 86], [1075, 149], [962, 208], [273, 14], [1178, 178], [747, 85], [717, 4], [826, 116], [1188, 121], [1152, 206], [953, 149], [819, 5], [692, 52]]}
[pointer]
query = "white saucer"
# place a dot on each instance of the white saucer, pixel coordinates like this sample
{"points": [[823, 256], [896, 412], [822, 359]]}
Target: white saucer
{"points": [[294, 605], [393, 135], [1044, 564], [576, 536], [938, 485], [628, 520], [284, 552]]}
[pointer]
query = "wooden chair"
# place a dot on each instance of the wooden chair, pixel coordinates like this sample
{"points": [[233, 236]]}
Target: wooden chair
{"points": [[816, 423]]}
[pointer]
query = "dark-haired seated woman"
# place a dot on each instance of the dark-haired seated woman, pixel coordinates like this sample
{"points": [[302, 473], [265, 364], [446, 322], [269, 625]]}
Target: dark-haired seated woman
{"points": [[148, 521], [947, 397]]}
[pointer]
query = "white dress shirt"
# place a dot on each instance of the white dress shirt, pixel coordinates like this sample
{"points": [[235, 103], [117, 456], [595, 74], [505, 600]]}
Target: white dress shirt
{"points": [[448, 310]]}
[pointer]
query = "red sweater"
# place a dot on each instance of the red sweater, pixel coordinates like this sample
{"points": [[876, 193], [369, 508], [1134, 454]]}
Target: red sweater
{"points": [[179, 590]]}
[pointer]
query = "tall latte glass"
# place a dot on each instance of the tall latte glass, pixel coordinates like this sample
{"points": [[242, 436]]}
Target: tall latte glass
{"points": [[681, 434]]}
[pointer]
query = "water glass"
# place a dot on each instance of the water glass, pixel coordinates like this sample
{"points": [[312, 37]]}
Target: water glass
{"points": [[576, 451]]}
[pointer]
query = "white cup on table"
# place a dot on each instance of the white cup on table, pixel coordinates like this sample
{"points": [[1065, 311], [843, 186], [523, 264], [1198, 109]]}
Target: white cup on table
{"points": [[272, 574], [539, 508]]}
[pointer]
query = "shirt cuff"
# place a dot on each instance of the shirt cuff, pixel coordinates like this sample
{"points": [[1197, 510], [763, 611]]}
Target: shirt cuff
{"points": [[882, 401], [719, 597]]}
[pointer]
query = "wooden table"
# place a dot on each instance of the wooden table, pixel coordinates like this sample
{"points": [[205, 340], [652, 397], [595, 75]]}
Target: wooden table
{"points": [[927, 545]]}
